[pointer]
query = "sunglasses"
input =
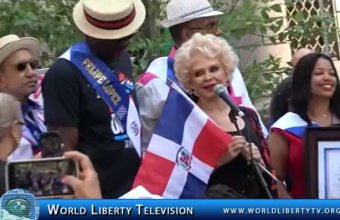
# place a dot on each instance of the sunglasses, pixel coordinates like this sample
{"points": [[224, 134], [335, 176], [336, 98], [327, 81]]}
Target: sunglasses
{"points": [[23, 65], [209, 29]]}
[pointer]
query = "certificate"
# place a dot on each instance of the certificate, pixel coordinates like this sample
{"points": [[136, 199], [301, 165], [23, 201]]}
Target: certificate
{"points": [[329, 169], [322, 162]]}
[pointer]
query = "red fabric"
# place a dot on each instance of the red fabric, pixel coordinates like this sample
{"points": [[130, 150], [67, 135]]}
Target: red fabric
{"points": [[210, 136], [235, 99], [38, 89], [295, 163], [161, 173], [172, 52], [162, 165], [252, 115], [35, 152], [145, 78]]}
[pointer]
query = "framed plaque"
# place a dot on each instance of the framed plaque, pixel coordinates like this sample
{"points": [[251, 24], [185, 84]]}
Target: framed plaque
{"points": [[322, 162]]}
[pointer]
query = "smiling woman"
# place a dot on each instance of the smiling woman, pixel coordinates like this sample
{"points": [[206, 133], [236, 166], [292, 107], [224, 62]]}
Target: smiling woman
{"points": [[204, 48], [201, 63], [314, 102]]}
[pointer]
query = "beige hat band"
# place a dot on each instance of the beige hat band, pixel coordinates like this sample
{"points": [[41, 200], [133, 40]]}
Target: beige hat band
{"points": [[111, 25]]}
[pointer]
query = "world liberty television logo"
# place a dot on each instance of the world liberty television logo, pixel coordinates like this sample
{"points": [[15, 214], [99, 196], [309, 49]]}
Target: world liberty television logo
{"points": [[18, 204]]}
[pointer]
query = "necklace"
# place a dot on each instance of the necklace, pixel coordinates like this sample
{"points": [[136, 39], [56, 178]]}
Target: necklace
{"points": [[323, 117]]}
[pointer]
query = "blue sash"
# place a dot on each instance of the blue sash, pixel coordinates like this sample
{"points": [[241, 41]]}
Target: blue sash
{"points": [[103, 80], [31, 122], [171, 74]]}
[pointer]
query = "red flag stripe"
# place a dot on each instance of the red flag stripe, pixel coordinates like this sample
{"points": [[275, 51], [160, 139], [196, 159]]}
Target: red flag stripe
{"points": [[154, 173], [210, 144]]}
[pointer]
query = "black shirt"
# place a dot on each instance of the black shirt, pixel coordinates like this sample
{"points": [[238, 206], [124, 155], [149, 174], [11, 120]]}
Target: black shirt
{"points": [[238, 174], [70, 101]]}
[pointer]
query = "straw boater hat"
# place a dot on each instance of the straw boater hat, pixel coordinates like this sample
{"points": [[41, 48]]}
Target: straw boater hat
{"points": [[181, 11], [12, 43], [109, 19]]}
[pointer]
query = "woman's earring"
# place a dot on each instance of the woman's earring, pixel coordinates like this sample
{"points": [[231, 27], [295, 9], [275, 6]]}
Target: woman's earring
{"points": [[192, 96], [18, 140]]}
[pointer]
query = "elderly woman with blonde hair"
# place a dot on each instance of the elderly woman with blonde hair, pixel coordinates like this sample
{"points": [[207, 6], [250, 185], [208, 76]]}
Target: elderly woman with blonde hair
{"points": [[201, 63]]}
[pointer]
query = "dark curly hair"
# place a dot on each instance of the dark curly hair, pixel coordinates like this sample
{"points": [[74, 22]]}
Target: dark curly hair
{"points": [[279, 104], [301, 86]]}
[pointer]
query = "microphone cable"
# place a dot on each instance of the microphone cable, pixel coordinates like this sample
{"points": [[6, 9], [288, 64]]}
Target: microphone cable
{"points": [[256, 167]]}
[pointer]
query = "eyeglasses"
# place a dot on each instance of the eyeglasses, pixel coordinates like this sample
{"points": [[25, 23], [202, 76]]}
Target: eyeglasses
{"points": [[23, 65], [210, 28]]}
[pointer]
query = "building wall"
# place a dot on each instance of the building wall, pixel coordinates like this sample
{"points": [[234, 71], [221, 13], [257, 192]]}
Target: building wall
{"points": [[261, 53], [285, 50], [336, 4]]}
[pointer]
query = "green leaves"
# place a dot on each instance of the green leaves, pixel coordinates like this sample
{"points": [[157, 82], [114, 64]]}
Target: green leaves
{"points": [[298, 17], [51, 22], [276, 8]]}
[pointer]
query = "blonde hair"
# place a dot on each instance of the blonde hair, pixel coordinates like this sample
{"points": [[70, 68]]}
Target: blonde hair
{"points": [[207, 45], [9, 112]]}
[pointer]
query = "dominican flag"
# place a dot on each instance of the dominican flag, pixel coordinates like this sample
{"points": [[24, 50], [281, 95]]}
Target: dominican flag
{"points": [[292, 127], [183, 150]]}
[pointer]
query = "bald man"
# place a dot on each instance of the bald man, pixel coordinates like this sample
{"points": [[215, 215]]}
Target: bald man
{"points": [[299, 54]]}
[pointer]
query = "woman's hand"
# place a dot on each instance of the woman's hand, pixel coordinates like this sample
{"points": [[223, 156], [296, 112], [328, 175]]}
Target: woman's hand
{"points": [[256, 153], [87, 186], [234, 148]]}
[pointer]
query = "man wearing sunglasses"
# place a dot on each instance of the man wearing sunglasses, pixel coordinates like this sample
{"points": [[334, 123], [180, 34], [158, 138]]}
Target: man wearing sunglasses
{"points": [[89, 93], [185, 18], [18, 77]]}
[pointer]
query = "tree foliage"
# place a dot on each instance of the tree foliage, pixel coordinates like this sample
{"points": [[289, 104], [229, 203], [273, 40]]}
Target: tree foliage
{"points": [[51, 22]]}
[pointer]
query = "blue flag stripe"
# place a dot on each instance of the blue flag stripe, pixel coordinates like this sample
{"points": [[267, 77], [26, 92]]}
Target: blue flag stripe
{"points": [[175, 113]]}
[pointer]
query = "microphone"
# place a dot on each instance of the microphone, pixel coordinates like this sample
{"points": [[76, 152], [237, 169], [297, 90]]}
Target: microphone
{"points": [[220, 91]]}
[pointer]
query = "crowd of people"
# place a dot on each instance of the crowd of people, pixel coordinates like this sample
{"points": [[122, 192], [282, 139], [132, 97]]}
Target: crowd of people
{"points": [[106, 120], [44, 181]]}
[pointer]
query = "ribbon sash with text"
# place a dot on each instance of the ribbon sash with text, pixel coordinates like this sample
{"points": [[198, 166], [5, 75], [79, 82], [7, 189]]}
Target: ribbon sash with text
{"points": [[107, 86]]}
